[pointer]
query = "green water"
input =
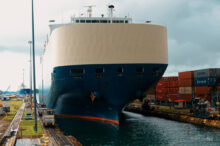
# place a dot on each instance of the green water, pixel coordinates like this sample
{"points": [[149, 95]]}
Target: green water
{"points": [[138, 130]]}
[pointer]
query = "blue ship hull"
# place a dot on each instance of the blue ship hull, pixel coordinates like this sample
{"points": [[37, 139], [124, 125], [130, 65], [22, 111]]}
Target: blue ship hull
{"points": [[99, 95]]}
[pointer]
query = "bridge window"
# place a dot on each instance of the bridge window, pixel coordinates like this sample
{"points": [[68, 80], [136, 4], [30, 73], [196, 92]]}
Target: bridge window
{"points": [[82, 21], [103, 21], [95, 21]]}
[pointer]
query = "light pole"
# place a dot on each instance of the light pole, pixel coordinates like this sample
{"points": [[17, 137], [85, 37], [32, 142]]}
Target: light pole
{"points": [[35, 101], [30, 42], [23, 79]]}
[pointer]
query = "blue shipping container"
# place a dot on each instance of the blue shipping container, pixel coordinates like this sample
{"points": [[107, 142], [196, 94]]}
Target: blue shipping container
{"points": [[204, 81]]}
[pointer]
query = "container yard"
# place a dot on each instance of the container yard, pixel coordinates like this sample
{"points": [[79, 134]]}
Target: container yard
{"points": [[192, 96]]}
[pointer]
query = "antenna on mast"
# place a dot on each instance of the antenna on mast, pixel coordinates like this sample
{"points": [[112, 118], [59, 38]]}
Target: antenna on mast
{"points": [[89, 10], [111, 7]]}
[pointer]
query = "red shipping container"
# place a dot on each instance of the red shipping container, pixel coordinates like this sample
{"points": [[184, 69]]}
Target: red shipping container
{"points": [[164, 79], [172, 97], [202, 90], [185, 75], [185, 90], [204, 96], [161, 97], [162, 84], [174, 78], [162, 90], [185, 82], [217, 89], [173, 90], [186, 97], [173, 83]]}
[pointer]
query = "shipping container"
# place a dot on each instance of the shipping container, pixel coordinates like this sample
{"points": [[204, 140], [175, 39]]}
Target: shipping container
{"points": [[185, 90], [202, 90], [185, 82], [164, 79], [186, 97], [174, 78], [185, 75], [162, 84], [173, 83], [173, 90], [217, 89], [172, 97], [161, 97], [204, 81], [207, 73], [203, 96], [162, 90]]}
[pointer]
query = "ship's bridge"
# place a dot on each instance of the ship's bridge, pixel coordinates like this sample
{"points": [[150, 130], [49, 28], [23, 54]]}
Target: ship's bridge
{"points": [[89, 20], [77, 20]]}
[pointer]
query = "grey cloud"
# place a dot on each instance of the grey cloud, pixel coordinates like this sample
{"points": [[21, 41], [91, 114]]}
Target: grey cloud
{"points": [[193, 30], [21, 49]]}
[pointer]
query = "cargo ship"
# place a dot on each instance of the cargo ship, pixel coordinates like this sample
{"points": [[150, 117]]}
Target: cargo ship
{"points": [[92, 67]]}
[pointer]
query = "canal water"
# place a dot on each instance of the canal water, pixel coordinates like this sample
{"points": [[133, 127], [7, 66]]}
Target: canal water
{"points": [[139, 130]]}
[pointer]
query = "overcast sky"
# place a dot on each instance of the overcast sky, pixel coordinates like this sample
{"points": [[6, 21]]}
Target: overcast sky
{"points": [[193, 30]]}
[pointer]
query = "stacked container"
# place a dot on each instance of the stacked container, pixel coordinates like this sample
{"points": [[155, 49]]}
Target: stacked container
{"points": [[173, 89], [151, 94], [162, 89], [205, 81], [167, 89], [185, 85]]}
